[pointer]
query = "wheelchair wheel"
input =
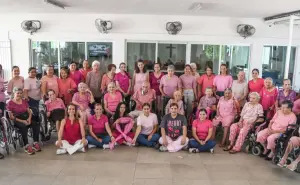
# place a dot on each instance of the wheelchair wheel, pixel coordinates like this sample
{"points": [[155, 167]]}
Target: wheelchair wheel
{"points": [[256, 150], [43, 126], [289, 160], [276, 159]]}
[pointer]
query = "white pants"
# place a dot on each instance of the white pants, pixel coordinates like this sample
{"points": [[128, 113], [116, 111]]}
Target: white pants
{"points": [[71, 149], [174, 146], [188, 95]]}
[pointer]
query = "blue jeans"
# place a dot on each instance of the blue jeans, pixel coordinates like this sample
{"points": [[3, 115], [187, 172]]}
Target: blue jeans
{"points": [[93, 141], [202, 148], [142, 139]]}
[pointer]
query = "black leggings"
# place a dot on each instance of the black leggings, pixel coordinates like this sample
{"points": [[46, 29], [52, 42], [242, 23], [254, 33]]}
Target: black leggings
{"points": [[23, 129]]}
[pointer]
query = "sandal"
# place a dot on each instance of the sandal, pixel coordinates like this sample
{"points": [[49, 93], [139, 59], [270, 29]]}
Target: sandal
{"points": [[233, 151], [221, 145], [228, 148]]}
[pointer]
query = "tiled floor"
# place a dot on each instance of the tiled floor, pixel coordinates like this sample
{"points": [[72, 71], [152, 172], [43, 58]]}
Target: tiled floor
{"points": [[141, 166]]}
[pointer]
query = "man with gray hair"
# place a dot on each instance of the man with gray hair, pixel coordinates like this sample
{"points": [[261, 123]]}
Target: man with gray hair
{"points": [[93, 81], [240, 88]]}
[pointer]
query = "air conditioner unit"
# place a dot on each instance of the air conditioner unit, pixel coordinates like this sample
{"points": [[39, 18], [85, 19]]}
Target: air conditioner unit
{"points": [[283, 18]]}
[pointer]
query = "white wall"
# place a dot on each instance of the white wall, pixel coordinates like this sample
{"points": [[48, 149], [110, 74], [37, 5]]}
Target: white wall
{"points": [[80, 27]]}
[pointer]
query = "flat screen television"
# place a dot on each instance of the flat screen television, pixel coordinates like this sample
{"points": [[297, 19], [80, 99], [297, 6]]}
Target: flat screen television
{"points": [[97, 50]]}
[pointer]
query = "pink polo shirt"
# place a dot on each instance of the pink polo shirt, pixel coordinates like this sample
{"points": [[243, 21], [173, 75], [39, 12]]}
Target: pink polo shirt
{"points": [[98, 125], [51, 83], [206, 81], [170, 85], [19, 83], [281, 121], [123, 80], [222, 82], [296, 107], [76, 76], [113, 101], [56, 104], [143, 98], [202, 128], [188, 81]]}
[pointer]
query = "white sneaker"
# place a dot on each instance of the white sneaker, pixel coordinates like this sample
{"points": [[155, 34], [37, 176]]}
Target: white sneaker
{"points": [[61, 151], [193, 150], [163, 149], [212, 151], [92, 146], [129, 144], [105, 146], [82, 150]]}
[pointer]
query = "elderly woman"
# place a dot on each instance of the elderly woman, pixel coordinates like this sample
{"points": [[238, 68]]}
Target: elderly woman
{"points": [[16, 81], [206, 80], [177, 98], [108, 77], [155, 78], [66, 86], [252, 111], [169, 83], [189, 85], [21, 115], [123, 81], [227, 109], [75, 74], [140, 75], [256, 84], [285, 94], [111, 99], [207, 102], [93, 81], [240, 88], [71, 135], [49, 81], [85, 69], [222, 81], [82, 99], [145, 133], [277, 126], [202, 131], [268, 96], [194, 71]]}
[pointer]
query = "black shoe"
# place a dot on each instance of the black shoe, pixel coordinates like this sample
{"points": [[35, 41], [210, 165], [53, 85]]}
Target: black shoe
{"points": [[265, 155], [268, 158], [157, 146], [1, 156]]}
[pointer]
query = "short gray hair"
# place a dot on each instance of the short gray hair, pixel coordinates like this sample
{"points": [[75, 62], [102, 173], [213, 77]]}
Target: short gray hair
{"points": [[171, 67], [193, 65], [255, 94], [96, 62], [269, 79], [82, 84], [16, 89]]}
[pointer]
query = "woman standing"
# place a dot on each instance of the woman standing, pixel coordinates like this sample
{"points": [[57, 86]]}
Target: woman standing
{"points": [[108, 77], [194, 71], [49, 81], [155, 78], [66, 85], [240, 89], [93, 81], [85, 69], [222, 81], [256, 84], [188, 82], [16, 81], [268, 96], [145, 133], [206, 80], [140, 75], [75, 74], [285, 94], [123, 82], [71, 135], [111, 99], [202, 131]]}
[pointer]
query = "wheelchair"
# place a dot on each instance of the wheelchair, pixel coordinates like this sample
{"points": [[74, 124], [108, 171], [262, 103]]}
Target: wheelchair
{"points": [[4, 144]]}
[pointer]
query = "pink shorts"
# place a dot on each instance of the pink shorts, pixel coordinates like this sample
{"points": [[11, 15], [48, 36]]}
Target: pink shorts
{"points": [[295, 141], [226, 121]]}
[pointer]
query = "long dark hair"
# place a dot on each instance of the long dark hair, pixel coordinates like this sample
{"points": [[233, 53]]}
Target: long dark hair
{"points": [[137, 69], [117, 113], [76, 112]]}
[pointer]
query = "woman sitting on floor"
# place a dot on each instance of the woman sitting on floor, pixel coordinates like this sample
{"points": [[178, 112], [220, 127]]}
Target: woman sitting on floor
{"points": [[71, 135]]}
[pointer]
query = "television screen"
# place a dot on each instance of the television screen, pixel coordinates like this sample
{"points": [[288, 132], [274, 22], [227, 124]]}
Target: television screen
{"points": [[97, 50]]}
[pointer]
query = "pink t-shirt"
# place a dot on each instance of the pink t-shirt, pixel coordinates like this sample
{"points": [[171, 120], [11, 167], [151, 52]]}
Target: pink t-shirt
{"points": [[83, 100], [170, 85], [123, 81], [64, 86], [188, 81], [105, 81], [98, 125], [205, 81], [267, 98], [84, 73], [296, 107], [256, 86], [202, 128], [76, 76], [51, 83], [143, 98], [140, 78], [56, 104], [222, 82], [2, 90], [113, 101], [19, 83], [281, 121], [147, 123], [226, 107], [154, 82], [33, 86], [17, 108]]}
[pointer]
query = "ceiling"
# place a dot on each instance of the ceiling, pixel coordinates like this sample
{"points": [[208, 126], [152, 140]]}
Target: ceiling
{"points": [[228, 8]]}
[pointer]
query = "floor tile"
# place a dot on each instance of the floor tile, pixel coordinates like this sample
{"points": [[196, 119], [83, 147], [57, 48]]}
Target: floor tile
{"points": [[152, 182], [34, 179], [153, 171], [184, 171], [116, 169], [74, 180], [227, 172], [191, 182], [230, 182], [112, 181]]}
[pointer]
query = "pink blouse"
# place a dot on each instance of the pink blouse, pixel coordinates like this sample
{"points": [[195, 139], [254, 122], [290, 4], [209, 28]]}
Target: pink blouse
{"points": [[267, 98], [222, 82], [281, 121], [105, 81], [51, 83], [170, 85], [113, 101], [154, 82], [140, 78], [56, 104], [19, 83], [123, 81], [188, 81], [82, 100], [64, 86], [226, 107], [76, 76]]}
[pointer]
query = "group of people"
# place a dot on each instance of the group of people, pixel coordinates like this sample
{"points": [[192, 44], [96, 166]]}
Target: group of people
{"points": [[92, 109]]}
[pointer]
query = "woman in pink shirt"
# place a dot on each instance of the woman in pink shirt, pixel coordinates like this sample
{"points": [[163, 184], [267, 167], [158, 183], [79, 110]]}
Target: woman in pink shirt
{"points": [[111, 99], [252, 112], [206, 80], [268, 96], [49, 81], [177, 98], [75, 74], [66, 86], [154, 79], [277, 126], [207, 102], [82, 99], [123, 82], [188, 82], [85, 69], [108, 77], [227, 109], [140, 75], [55, 108], [16, 81], [202, 133], [222, 81], [256, 84]]}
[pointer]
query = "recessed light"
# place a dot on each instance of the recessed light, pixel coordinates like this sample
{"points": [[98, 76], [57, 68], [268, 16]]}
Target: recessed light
{"points": [[195, 7]]}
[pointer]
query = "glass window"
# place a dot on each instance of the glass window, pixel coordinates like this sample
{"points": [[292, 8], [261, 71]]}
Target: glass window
{"points": [[140, 51], [174, 54], [101, 51], [43, 54], [205, 55], [273, 63], [71, 51]]}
